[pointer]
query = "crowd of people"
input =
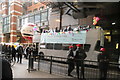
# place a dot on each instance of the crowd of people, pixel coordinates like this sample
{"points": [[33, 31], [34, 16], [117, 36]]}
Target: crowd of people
{"points": [[17, 54], [77, 59], [68, 28], [20, 51], [74, 58]]}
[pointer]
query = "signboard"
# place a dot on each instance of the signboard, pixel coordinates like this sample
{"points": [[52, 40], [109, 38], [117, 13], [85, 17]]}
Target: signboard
{"points": [[64, 37]]}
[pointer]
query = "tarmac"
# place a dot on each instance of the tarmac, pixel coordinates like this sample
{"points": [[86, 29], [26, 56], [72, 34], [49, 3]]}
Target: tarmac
{"points": [[20, 71]]}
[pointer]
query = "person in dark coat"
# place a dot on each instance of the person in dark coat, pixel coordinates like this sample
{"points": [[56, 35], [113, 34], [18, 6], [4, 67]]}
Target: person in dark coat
{"points": [[20, 53], [8, 50], [80, 55], [5, 70], [35, 52], [27, 51], [69, 28], [13, 51], [65, 30], [3, 49], [103, 62], [70, 60]]}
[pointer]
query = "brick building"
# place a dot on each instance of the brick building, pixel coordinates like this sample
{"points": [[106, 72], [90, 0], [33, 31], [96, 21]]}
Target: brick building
{"points": [[10, 10]]}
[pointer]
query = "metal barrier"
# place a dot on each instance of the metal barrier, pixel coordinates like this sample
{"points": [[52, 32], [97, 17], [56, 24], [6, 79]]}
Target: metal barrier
{"points": [[59, 66]]}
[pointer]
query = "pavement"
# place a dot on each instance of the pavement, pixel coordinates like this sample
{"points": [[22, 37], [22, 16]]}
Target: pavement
{"points": [[20, 71]]}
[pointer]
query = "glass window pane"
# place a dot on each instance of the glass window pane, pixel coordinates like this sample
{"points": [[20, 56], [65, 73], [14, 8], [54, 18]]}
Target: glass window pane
{"points": [[44, 16], [49, 46], [58, 46], [20, 22], [37, 18], [23, 21], [65, 46], [31, 19], [7, 20], [87, 47]]}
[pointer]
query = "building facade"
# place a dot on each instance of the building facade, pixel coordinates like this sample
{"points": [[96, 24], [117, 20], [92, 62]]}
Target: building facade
{"points": [[10, 10]]}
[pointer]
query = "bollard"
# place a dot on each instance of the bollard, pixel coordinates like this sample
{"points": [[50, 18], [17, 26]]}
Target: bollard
{"points": [[51, 64], [31, 63], [38, 62]]}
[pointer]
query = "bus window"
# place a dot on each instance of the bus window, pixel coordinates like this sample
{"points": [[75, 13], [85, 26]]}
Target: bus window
{"points": [[42, 46], [97, 46], [58, 46], [66, 46], [87, 47], [49, 45]]}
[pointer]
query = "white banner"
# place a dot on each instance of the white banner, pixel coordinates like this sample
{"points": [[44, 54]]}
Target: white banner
{"points": [[64, 37]]}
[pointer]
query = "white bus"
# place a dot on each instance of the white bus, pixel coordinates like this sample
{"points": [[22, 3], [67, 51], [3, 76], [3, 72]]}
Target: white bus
{"points": [[56, 44]]}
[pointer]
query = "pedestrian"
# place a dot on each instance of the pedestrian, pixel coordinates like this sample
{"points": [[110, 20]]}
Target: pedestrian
{"points": [[20, 53], [35, 52], [65, 30], [103, 62], [3, 49], [70, 60], [9, 50], [5, 70], [80, 55], [27, 51], [69, 28], [24, 49], [13, 51], [30, 51]]}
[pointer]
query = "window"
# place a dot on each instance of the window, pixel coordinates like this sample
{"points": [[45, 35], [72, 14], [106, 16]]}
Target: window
{"points": [[31, 19], [36, 1], [42, 46], [41, 8], [97, 46], [49, 45], [0, 7], [37, 18], [23, 21], [20, 22], [87, 47], [65, 46], [6, 26], [58, 46], [30, 3], [44, 16]]}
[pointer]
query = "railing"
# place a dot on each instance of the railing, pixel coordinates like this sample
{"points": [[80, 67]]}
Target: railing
{"points": [[59, 66]]}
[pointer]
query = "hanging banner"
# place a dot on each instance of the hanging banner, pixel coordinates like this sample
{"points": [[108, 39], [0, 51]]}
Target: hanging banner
{"points": [[64, 37]]}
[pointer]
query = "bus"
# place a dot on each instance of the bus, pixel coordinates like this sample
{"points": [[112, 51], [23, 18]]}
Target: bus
{"points": [[57, 43]]}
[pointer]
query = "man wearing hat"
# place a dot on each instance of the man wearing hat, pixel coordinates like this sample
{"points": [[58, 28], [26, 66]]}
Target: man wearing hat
{"points": [[70, 60], [103, 61], [80, 55]]}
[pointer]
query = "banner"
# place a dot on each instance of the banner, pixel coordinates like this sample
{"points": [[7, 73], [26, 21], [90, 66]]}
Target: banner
{"points": [[64, 37]]}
